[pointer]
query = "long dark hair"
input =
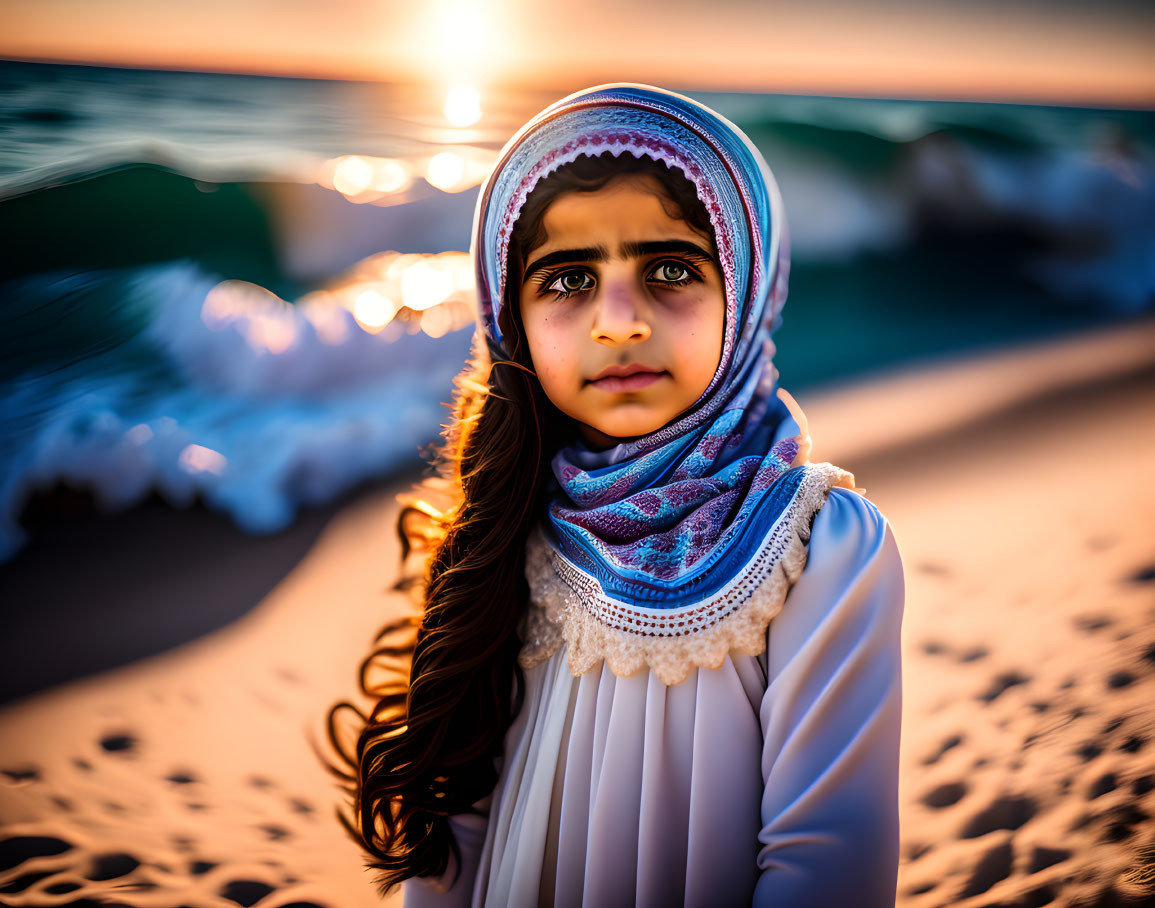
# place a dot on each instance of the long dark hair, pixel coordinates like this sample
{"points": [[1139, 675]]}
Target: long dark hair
{"points": [[447, 687]]}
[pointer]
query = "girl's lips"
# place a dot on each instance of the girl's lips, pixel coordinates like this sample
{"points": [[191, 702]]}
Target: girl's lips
{"points": [[632, 382]]}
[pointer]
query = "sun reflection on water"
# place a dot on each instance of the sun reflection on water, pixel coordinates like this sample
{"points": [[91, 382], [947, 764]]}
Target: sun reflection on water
{"points": [[388, 294], [199, 459], [365, 178], [373, 309], [446, 171], [395, 293], [386, 181], [462, 105], [352, 175]]}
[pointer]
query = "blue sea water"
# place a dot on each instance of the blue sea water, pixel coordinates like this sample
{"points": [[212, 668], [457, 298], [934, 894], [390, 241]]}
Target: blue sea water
{"points": [[918, 228]]}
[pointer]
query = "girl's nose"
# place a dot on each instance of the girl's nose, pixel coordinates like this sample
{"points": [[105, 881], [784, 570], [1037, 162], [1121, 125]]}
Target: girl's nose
{"points": [[620, 318]]}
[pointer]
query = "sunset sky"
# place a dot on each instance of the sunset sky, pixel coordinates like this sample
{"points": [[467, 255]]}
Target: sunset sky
{"points": [[1065, 51]]}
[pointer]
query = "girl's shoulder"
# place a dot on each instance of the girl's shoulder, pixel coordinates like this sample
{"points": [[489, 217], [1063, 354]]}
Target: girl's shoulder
{"points": [[822, 509], [851, 536], [851, 518]]}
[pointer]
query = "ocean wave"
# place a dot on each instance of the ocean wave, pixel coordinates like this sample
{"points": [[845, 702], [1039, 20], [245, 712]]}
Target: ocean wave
{"points": [[1094, 205], [191, 408]]}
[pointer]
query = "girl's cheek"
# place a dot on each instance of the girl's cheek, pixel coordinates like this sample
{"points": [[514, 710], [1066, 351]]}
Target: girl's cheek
{"points": [[561, 333]]}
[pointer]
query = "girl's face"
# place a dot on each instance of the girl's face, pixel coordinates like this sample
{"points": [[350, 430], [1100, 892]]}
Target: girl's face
{"points": [[623, 307]]}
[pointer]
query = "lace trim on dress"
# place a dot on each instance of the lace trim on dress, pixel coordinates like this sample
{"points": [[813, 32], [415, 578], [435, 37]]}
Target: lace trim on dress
{"points": [[567, 605]]}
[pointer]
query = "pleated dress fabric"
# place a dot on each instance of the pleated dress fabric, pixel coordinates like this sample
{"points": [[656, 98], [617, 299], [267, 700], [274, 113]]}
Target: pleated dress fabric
{"points": [[770, 780]]}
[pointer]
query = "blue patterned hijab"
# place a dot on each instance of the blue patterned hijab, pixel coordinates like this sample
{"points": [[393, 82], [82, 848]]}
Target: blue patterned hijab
{"points": [[670, 519]]}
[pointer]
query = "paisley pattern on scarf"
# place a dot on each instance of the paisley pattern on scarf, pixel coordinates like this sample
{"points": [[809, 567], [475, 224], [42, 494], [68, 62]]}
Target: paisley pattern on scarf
{"points": [[667, 537]]}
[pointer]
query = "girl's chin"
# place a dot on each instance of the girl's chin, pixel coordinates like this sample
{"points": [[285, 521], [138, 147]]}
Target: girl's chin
{"points": [[607, 434]]}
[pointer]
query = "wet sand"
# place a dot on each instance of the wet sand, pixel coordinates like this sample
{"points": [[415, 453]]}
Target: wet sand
{"points": [[1026, 522]]}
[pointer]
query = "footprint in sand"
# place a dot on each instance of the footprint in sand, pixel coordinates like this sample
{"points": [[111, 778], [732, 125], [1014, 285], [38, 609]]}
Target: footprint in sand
{"points": [[275, 833], [1037, 898], [934, 569], [1106, 783], [1088, 751], [120, 743], [948, 744], [245, 892], [934, 648], [916, 850], [1118, 822], [64, 889], [18, 849], [1001, 683], [183, 843], [20, 775], [24, 882], [1089, 624], [302, 807], [111, 866], [1042, 858], [944, 795], [1143, 575], [994, 866], [1121, 822], [1133, 744], [1008, 812]]}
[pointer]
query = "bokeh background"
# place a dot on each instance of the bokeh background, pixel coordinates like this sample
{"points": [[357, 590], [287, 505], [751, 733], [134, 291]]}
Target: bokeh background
{"points": [[235, 287]]}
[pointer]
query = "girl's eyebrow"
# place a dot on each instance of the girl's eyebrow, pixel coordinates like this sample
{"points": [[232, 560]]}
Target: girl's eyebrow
{"points": [[589, 254], [628, 250], [666, 247]]}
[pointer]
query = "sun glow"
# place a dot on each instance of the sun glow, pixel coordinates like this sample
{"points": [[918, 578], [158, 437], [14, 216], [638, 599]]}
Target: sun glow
{"points": [[391, 293], [373, 309], [446, 171], [462, 105], [352, 176], [462, 30], [424, 285], [364, 178], [461, 53]]}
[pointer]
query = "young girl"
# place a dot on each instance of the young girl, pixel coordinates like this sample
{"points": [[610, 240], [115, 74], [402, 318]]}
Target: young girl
{"points": [[659, 658]]}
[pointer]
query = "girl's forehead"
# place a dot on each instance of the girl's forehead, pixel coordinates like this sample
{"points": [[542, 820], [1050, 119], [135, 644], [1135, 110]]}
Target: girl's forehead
{"points": [[627, 209]]}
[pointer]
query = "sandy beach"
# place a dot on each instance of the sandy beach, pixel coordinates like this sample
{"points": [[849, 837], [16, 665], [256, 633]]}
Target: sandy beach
{"points": [[1019, 487]]}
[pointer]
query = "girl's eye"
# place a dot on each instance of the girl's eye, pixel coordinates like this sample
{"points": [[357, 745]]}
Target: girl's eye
{"points": [[671, 273], [570, 282]]}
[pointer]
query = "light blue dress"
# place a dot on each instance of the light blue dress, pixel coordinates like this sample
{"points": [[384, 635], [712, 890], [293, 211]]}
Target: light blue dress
{"points": [[771, 780]]}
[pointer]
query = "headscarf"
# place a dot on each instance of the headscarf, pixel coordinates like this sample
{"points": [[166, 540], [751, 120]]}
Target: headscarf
{"points": [[670, 535]]}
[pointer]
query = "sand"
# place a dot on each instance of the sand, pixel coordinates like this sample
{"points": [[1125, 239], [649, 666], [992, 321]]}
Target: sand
{"points": [[1025, 512]]}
